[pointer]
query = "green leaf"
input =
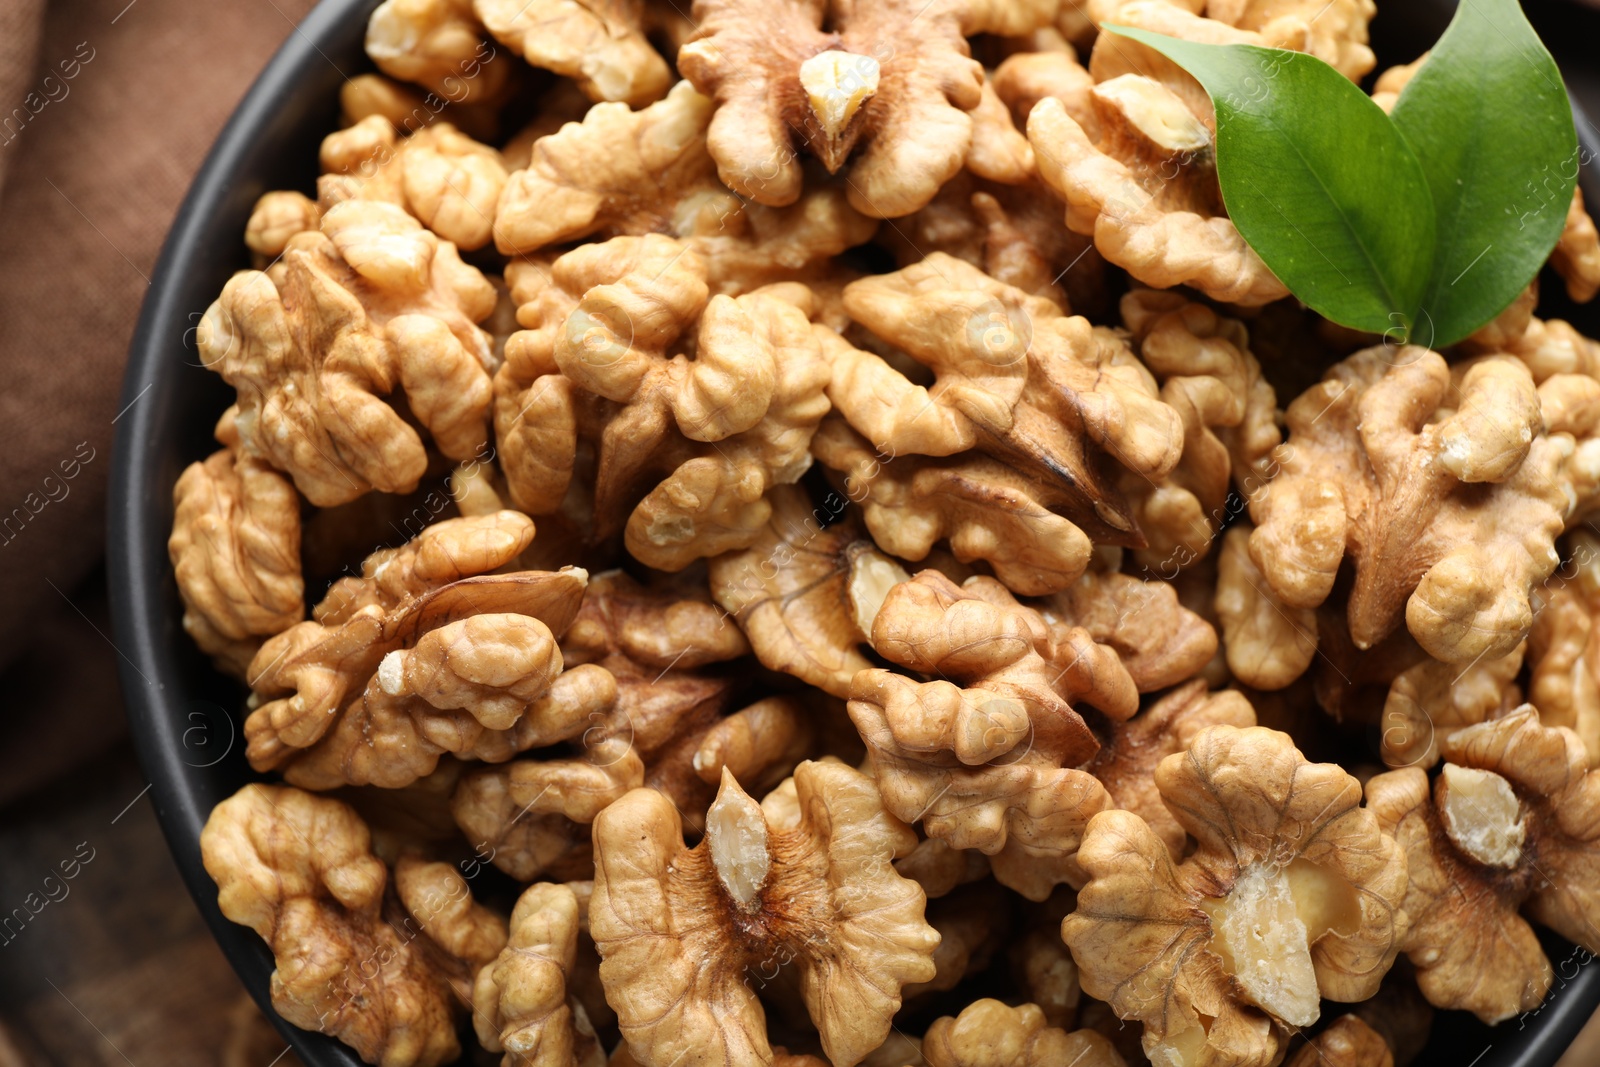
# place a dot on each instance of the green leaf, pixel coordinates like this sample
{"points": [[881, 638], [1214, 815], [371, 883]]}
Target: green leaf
{"points": [[1488, 116], [1317, 179]]}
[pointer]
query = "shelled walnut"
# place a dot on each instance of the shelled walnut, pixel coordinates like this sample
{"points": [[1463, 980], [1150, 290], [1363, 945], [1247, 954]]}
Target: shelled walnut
{"points": [[808, 881], [368, 302], [417, 658], [685, 449], [298, 869], [1507, 827], [1293, 894]]}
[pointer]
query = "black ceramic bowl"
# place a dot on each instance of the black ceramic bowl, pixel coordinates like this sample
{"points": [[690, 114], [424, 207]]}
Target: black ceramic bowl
{"points": [[184, 714]]}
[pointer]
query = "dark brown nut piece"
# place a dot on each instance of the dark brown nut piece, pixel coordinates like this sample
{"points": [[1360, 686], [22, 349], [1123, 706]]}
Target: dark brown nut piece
{"points": [[811, 882], [1145, 188], [235, 551], [1131, 751], [1292, 894], [1044, 968], [298, 870], [988, 1033], [520, 1002], [368, 303], [439, 45], [412, 661], [985, 761], [1448, 495], [805, 594], [1230, 428], [783, 84], [601, 46], [1510, 827], [1347, 1042], [686, 449]]}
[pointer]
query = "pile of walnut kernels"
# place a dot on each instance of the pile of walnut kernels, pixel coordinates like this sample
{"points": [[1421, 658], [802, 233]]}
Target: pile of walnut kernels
{"points": [[849, 552]]}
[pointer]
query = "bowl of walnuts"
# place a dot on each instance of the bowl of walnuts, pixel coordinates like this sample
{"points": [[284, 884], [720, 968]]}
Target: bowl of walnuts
{"points": [[945, 534]]}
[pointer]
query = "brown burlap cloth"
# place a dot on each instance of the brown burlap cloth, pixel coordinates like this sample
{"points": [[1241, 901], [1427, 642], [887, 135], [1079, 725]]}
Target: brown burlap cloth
{"points": [[106, 110]]}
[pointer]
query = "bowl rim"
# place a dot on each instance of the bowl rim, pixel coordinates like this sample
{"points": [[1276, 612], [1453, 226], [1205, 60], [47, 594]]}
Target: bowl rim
{"points": [[139, 573]]}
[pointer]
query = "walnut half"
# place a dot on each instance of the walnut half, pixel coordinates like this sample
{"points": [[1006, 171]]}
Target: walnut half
{"points": [[688, 935]]}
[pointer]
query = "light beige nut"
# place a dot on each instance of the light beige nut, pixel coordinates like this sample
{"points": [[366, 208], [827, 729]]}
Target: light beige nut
{"points": [[985, 760], [989, 1033], [1347, 1042], [657, 177], [1268, 643], [664, 730], [1047, 975], [984, 509], [1506, 836], [298, 870], [782, 86], [448, 181], [662, 627], [758, 744], [1229, 414], [677, 928], [1429, 702], [1131, 751], [686, 449], [1159, 641], [1335, 33], [412, 661], [1577, 254], [438, 44], [520, 1002], [409, 109], [1563, 655], [1016, 383], [277, 217], [1010, 232], [235, 552], [1445, 489], [601, 46], [1024, 79], [651, 159], [805, 593], [369, 303], [1145, 188], [1291, 895], [940, 869]]}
